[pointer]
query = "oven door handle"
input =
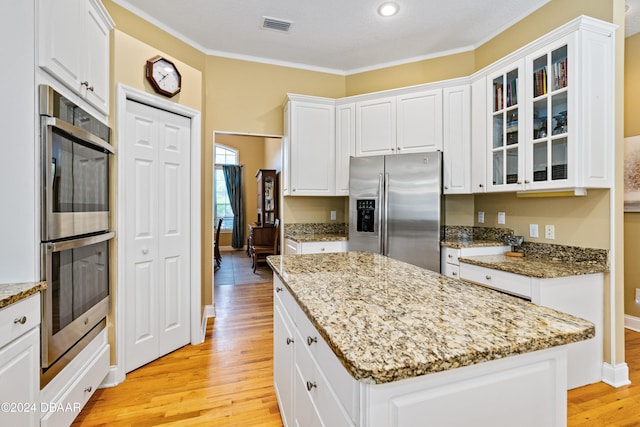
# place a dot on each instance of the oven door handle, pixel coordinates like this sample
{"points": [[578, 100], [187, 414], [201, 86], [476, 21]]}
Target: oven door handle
{"points": [[79, 133], [76, 243]]}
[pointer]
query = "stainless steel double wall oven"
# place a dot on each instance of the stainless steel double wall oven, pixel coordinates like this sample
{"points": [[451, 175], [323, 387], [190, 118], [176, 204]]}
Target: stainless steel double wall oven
{"points": [[75, 229]]}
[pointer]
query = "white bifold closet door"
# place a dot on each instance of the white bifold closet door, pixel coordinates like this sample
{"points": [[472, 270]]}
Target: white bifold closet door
{"points": [[157, 233]]}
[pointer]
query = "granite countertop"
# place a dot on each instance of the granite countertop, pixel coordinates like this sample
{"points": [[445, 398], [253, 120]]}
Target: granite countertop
{"points": [[11, 293], [316, 237], [387, 320], [471, 243], [535, 267]]}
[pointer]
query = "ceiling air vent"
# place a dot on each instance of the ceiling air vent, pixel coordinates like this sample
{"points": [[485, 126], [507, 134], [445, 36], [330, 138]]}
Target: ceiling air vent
{"points": [[276, 24]]}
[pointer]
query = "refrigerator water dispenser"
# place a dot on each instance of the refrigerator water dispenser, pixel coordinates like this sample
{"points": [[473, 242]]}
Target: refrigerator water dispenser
{"points": [[366, 211]]}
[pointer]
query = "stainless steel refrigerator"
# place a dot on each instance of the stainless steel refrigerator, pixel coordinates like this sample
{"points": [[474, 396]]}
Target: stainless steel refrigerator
{"points": [[396, 207]]}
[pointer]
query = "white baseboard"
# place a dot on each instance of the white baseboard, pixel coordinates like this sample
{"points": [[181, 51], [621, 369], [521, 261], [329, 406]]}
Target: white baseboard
{"points": [[111, 380], [615, 375], [631, 322], [209, 312]]}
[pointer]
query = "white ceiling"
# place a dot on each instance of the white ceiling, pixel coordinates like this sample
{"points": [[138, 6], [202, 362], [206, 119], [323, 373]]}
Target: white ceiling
{"points": [[338, 36]]}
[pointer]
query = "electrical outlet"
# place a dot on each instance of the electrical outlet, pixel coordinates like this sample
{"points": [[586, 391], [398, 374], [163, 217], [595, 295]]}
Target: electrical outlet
{"points": [[549, 232], [533, 230], [480, 217], [501, 218], [637, 295], [333, 215]]}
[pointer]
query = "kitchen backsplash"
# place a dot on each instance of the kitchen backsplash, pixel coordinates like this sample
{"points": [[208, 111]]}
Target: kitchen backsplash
{"points": [[466, 233], [530, 249], [316, 228]]}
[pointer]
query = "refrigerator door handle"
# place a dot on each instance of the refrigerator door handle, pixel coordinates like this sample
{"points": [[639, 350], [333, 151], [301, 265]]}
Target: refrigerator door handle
{"points": [[380, 217], [386, 214]]}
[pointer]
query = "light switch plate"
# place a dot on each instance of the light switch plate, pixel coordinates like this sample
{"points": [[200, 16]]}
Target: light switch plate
{"points": [[333, 215], [501, 218], [533, 230], [480, 217]]}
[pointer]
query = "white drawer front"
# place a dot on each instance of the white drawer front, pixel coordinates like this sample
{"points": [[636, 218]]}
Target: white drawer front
{"points": [[282, 294], [18, 318], [344, 386], [451, 270], [78, 394], [322, 247], [450, 255], [496, 279], [312, 382]]}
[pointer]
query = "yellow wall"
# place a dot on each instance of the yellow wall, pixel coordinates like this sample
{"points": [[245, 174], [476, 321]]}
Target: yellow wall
{"points": [[578, 221], [315, 209], [632, 219]]}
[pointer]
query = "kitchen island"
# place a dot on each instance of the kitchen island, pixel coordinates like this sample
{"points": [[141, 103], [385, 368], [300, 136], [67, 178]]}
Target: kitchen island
{"points": [[361, 339]]}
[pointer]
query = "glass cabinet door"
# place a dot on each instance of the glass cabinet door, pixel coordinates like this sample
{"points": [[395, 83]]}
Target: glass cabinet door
{"points": [[505, 138], [550, 118]]}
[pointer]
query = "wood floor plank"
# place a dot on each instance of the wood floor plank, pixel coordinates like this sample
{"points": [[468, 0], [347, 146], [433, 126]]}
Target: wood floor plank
{"points": [[228, 380]]}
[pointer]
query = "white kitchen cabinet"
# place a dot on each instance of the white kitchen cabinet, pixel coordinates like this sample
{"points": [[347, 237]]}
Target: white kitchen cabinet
{"points": [[73, 46], [312, 386], [457, 140], [550, 120], [419, 121], [406, 123], [505, 153], [581, 296], [74, 385], [376, 126], [310, 168], [479, 135], [449, 264], [283, 349], [20, 363], [345, 145]]}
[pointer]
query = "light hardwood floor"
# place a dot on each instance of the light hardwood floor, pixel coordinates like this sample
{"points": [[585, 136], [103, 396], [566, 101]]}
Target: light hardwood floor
{"points": [[228, 380]]}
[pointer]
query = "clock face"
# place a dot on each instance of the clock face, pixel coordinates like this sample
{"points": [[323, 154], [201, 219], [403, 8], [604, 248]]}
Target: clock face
{"points": [[164, 76]]}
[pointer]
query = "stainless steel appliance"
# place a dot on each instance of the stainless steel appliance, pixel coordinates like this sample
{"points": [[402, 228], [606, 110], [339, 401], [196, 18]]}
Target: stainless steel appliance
{"points": [[75, 174], [75, 229], [396, 208]]}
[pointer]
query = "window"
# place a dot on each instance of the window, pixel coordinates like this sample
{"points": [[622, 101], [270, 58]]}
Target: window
{"points": [[221, 205]]}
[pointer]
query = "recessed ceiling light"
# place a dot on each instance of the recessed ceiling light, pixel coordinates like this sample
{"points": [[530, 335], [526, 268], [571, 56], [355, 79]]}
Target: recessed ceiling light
{"points": [[388, 9]]}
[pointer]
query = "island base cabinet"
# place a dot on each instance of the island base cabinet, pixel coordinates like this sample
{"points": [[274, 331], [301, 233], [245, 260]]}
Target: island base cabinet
{"points": [[527, 390]]}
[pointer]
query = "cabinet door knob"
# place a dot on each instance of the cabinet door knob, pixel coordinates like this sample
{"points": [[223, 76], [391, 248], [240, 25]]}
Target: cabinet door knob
{"points": [[450, 256], [88, 389], [145, 251], [487, 277], [454, 273], [278, 289], [22, 320], [311, 385], [480, 185], [289, 340], [321, 249], [526, 181], [311, 340], [446, 188]]}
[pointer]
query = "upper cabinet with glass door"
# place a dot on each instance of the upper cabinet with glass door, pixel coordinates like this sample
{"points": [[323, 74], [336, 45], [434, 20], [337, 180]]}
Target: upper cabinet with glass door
{"points": [[551, 113], [505, 126], [548, 141]]}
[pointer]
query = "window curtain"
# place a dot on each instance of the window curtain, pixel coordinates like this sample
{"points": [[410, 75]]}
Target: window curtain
{"points": [[233, 179]]}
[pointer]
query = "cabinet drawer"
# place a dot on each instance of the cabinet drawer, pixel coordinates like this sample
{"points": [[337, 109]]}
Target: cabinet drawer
{"points": [[344, 386], [450, 255], [13, 316], [322, 247], [310, 380], [451, 270], [79, 393], [282, 294], [496, 279]]}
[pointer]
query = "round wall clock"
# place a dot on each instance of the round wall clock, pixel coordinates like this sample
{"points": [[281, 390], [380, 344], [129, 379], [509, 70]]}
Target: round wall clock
{"points": [[163, 76]]}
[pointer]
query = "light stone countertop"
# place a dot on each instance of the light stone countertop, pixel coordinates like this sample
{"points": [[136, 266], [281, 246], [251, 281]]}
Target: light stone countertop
{"points": [[11, 293], [535, 267], [387, 320], [472, 243], [317, 237]]}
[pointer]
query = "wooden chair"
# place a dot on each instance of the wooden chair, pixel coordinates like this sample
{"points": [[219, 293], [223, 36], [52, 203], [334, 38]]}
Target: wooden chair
{"points": [[260, 253], [216, 247]]}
